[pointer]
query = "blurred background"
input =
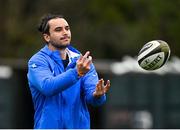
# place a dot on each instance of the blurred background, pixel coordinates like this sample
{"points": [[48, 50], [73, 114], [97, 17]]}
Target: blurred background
{"points": [[114, 31]]}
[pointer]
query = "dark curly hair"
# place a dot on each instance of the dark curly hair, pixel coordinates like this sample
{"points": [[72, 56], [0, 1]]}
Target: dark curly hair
{"points": [[44, 26]]}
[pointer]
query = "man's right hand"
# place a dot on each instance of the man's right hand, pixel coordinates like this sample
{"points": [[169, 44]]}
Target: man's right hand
{"points": [[83, 64]]}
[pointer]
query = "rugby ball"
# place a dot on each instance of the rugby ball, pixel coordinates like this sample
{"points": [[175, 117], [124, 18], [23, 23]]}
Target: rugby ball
{"points": [[153, 55]]}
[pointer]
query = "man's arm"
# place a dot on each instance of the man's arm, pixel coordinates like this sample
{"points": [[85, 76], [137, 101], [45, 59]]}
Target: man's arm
{"points": [[94, 89], [41, 77]]}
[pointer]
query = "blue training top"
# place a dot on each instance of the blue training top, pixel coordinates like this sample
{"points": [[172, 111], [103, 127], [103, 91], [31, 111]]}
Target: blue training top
{"points": [[60, 97]]}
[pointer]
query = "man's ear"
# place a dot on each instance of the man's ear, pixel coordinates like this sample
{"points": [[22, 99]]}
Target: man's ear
{"points": [[46, 37]]}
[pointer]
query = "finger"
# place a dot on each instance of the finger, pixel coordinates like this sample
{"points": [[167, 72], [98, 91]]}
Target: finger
{"points": [[107, 86], [80, 58], [88, 61], [85, 56], [100, 81], [102, 85], [99, 84], [97, 88]]}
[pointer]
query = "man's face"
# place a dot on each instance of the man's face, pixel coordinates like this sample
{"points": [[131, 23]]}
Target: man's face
{"points": [[59, 33]]}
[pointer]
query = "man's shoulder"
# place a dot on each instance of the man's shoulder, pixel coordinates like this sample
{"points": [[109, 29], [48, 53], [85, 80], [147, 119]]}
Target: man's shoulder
{"points": [[38, 57]]}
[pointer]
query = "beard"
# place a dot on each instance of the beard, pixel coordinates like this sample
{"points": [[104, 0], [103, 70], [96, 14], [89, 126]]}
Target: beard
{"points": [[58, 46]]}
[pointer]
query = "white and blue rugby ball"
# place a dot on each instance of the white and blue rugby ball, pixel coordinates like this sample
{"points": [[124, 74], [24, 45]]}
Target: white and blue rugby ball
{"points": [[153, 55]]}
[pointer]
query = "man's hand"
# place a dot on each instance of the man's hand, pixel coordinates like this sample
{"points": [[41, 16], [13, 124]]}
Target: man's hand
{"points": [[101, 89], [83, 64]]}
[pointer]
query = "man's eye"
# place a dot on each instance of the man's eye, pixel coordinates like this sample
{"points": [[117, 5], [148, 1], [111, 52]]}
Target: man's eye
{"points": [[58, 29], [67, 28]]}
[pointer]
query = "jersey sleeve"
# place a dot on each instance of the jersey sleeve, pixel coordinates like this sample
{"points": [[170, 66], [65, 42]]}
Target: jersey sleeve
{"points": [[90, 81], [40, 76]]}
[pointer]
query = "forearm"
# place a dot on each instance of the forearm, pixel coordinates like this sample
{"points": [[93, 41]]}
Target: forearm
{"points": [[50, 85], [94, 101]]}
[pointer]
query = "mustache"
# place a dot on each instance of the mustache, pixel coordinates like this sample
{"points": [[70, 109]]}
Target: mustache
{"points": [[65, 37]]}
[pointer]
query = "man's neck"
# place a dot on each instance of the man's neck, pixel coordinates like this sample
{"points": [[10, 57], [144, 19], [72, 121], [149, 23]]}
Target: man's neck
{"points": [[63, 53]]}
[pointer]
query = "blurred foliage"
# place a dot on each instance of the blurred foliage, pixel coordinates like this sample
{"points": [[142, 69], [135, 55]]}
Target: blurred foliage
{"points": [[109, 29]]}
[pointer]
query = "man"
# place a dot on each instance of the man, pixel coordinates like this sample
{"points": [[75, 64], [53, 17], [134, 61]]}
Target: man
{"points": [[61, 80]]}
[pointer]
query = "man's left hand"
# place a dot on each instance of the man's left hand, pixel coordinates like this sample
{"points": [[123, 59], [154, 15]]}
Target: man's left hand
{"points": [[101, 88]]}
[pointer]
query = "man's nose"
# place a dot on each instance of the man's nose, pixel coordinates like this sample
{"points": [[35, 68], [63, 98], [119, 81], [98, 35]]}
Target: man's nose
{"points": [[64, 31]]}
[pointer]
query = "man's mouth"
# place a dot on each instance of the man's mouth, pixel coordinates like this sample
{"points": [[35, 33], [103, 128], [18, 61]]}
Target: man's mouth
{"points": [[64, 38]]}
